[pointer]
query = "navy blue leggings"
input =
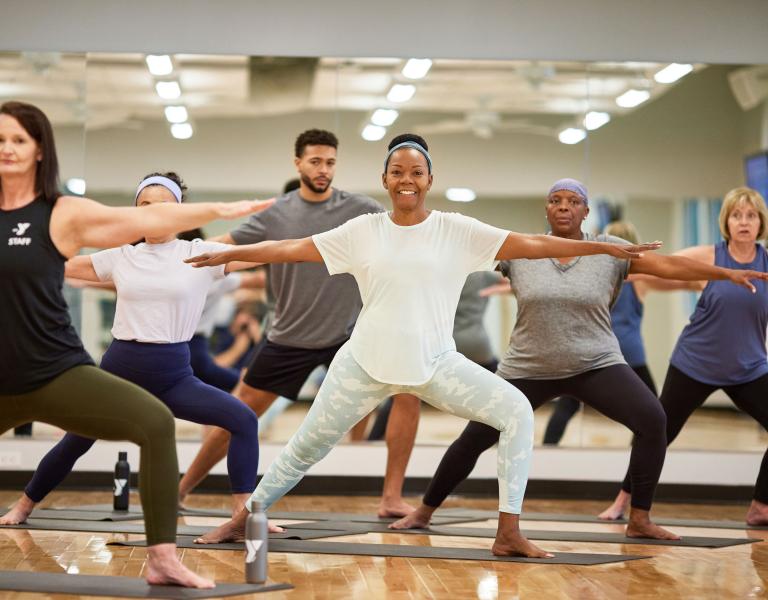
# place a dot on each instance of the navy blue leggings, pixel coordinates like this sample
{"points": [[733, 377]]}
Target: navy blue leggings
{"points": [[164, 370], [206, 370]]}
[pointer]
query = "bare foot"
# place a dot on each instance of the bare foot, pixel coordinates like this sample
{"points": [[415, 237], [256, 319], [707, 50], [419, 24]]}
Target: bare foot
{"points": [[19, 512], [394, 508], [274, 528], [756, 515], [516, 544], [231, 531], [418, 519], [616, 510], [510, 542], [641, 526], [164, 568]]}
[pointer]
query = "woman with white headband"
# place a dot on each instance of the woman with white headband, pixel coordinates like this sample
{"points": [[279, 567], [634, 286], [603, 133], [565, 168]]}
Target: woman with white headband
{"points": [[45, 373], [410, 265], [159, 302]]}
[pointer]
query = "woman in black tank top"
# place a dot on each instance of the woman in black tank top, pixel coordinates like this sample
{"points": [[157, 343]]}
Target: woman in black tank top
{"points": [[46, 374]]}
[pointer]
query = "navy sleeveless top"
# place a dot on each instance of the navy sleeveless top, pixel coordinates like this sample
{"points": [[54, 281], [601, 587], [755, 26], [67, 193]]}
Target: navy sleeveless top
{"points": [[724, 343], [37, 340], [626, 317]]}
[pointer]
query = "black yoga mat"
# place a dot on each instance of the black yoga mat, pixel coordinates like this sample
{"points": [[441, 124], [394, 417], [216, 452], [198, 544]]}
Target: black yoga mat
{"points": [[353, 549], [563, 536], [295, 532], [123, 587], [572, 518]]}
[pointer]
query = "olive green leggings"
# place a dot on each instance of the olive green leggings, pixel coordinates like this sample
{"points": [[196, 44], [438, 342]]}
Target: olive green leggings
{"points": [[92, 403]]}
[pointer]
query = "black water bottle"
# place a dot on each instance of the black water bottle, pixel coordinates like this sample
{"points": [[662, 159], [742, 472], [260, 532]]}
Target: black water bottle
{"points": [[122, 482]]}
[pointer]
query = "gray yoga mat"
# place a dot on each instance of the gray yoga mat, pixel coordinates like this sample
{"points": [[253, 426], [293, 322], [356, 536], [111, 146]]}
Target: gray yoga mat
{"points": [[572, 518], [78, 515], [295, 532], [288, 515], [563, 536], [123, 587], [354, 549]]}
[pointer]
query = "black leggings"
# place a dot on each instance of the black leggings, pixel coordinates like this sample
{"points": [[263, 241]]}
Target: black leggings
{"points": [[567, 406], [681, 395], [615, 391]]}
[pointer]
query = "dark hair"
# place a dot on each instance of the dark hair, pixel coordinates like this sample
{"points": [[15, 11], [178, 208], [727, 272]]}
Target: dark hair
{"points": [[408, 137], [314, 137], [173, 177], [291, 184], [192, 234], [37, 125]]}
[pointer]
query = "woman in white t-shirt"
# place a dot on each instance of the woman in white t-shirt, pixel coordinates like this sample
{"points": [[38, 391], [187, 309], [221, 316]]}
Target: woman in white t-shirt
{"points": [[410, 265], [159, 303]]}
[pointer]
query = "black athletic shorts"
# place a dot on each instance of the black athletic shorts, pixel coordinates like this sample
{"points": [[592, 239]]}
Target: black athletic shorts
{"points": [[283, 370]]}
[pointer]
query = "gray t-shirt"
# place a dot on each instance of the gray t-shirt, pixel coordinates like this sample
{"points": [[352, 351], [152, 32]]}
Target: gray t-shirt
{"points": [[312, 309], [563, 315], [468, 330]]}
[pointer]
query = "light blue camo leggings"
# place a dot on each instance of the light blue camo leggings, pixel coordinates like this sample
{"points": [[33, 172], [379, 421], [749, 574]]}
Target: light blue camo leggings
{"points": [[459, 387]]}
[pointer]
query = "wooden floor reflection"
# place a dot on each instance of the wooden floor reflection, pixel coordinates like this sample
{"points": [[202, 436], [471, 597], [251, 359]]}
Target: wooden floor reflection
{"points": [[736, 572]]}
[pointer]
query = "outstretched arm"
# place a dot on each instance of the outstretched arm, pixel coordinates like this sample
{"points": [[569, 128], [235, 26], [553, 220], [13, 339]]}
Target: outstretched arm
{"points": [[686, 269], [80, 222], [521, 245], [303, 250], [81, 268]]}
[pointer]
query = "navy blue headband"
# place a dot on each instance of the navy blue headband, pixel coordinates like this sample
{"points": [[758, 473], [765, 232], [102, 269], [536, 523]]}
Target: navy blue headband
{"points": [[409, 144]]}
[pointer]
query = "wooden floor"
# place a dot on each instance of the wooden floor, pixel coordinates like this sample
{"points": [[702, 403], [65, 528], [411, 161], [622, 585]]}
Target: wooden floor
{"points": [[736, 572]]}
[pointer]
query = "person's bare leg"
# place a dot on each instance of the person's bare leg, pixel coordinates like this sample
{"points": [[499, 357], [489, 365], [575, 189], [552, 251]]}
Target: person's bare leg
{"points": [[641, 526], [19, 511], [619, 507], [510, 542], [238, 502], [357, 433], [216, 443], [756, 515], [165, 568], [401, 433], [418, 519]]}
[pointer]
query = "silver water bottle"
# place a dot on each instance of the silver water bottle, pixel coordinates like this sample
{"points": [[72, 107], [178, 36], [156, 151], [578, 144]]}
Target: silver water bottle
{"points": [[256, 538]]}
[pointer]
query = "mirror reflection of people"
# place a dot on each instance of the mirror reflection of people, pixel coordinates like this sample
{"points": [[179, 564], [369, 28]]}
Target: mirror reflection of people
{"points": [[46, 375], [723, 345], [410, 265], [562, 343]]}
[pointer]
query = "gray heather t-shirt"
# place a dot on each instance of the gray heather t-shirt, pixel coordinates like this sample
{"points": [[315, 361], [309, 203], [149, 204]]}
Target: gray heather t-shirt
{"points": [[312, 309], [563, 315], [468, 330]]}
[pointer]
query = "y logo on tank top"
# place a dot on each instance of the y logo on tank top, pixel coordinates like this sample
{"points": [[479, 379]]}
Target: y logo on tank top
{"points": [[18, 240]]}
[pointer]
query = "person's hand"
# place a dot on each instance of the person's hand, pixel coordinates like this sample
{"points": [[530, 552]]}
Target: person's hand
{"points": [[209, 259], [744, 278], [629, 251], [243, 208]]}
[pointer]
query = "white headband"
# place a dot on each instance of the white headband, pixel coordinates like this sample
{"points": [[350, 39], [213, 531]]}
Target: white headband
{"points": [[168, 184]]}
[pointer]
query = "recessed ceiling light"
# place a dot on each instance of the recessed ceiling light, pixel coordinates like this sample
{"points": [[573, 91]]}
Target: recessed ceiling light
{"points": [[176, 114], [401, 92], [168, 90], [632, 98], [159, 64], [673, 72], [373, 133], [384, 117], [571, 135], [460, 194], [595, 119], [181, 131], [76, 185], [417, 68]]}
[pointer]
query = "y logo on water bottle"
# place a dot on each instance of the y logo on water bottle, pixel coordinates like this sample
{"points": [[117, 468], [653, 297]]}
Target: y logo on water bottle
{"points": [[252, 547], [120, 486]]}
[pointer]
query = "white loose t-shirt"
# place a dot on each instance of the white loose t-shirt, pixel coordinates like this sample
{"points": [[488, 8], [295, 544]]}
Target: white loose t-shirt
{"points": [[159, 297], [410, 280]]}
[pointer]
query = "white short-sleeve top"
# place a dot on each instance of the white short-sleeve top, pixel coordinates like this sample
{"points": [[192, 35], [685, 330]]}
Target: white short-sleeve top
{"points": [[410, 280], [159, 297]]}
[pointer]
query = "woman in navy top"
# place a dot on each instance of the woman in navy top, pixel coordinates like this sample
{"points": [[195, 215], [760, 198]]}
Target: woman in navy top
{"points": [[723, 345]]}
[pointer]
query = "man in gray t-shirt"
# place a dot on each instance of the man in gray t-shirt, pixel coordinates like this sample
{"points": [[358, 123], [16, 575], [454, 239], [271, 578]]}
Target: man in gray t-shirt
{"points": [[314, 312]]}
